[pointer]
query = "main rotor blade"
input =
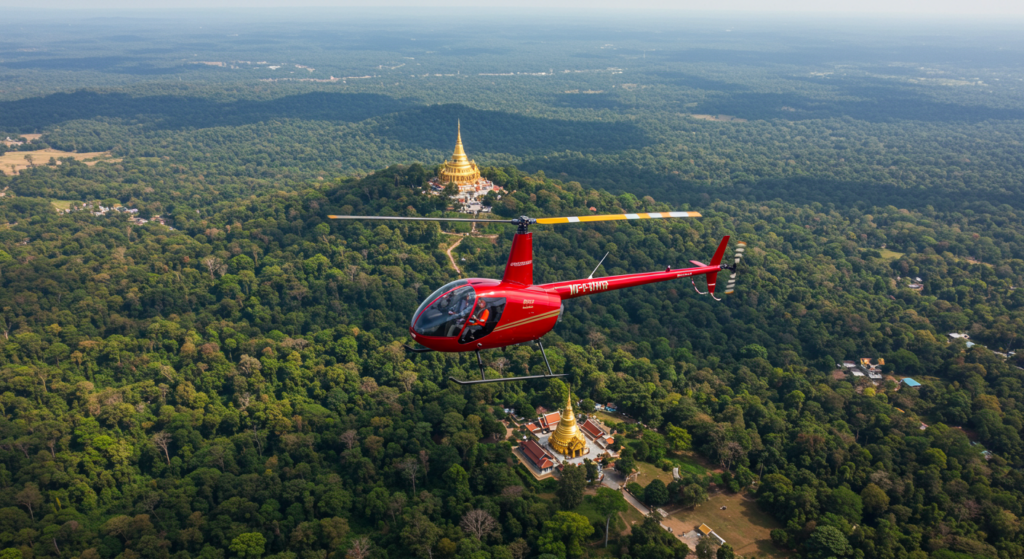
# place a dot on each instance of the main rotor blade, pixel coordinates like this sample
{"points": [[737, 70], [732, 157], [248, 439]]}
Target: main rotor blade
{"points": [[614, 217], [393, 217]]}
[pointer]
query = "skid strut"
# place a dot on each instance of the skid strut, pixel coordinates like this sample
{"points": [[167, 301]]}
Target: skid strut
{"points": [[483, 378]]}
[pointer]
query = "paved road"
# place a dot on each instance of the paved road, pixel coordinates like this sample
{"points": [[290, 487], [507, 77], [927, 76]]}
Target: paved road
{"points": [[636, 504], [614, 480]]}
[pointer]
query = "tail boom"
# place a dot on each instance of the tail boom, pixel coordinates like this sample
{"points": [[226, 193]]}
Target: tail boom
{"points": [[578, 288]]}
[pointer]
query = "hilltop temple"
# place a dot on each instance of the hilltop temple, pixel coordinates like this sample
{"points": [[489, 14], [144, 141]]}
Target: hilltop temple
{"points": [[460, 170], [567, 438], [464, 173]]}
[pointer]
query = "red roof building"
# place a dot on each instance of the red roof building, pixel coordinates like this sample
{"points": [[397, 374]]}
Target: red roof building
{"points": [[542, 460], [595, 432], [545, 422]]}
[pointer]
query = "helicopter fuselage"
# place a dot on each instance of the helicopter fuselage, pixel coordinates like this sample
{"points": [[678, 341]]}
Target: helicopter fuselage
{"points": [[478, 313]]}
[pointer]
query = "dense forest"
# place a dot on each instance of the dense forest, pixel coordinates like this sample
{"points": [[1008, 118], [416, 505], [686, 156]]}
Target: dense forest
{"points": [[233, 383]]}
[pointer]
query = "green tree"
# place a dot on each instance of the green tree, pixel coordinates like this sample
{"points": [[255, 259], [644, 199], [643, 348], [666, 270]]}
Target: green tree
{"points": [[678, 438], [564, 534], [571, 486], [874, 498], [608, 502], [656, 494], [625, 463], [705, 549], [844, 502], [249, 544], [827, 542]]}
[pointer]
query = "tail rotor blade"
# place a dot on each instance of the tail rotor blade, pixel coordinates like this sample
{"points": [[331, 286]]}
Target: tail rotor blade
{"points": [[730, 286]]}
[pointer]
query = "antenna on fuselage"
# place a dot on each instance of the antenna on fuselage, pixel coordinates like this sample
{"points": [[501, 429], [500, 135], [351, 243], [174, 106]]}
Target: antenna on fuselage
{"points": [[591, 276]]}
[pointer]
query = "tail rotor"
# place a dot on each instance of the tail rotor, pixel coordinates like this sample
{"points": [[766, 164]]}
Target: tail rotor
{"points": [[730, 286]]}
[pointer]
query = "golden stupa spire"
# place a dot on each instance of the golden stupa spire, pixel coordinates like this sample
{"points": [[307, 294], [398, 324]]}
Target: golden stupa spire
{"points": [[567, 438], [460, 153], [460, 170]]}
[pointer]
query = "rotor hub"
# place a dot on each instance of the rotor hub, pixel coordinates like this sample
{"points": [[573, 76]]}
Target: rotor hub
{"points": [[523, 223]]}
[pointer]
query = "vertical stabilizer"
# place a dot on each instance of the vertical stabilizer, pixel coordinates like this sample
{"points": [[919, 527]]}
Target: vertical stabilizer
{"points": [[519, 268], [716, 260]]}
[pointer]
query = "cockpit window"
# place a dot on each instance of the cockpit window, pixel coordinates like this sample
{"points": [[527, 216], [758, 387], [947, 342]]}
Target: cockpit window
{"points": [[444, 313]]}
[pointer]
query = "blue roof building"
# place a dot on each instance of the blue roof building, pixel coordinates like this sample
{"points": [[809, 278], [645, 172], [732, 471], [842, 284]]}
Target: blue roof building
{"points": [[911, 382]]}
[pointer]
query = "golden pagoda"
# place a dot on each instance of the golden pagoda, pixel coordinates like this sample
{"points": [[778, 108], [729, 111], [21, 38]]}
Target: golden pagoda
{"points": [[567, 438], [460, 170]]}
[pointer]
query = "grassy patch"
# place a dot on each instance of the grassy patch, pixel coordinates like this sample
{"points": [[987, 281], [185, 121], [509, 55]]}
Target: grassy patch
{"points": [[890, 254], [63, 204], [649, 472], [609, 418], [13, 162], [745, 526], [688, 466]]}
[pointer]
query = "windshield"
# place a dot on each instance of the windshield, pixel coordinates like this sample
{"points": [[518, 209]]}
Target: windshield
{"points": [[444, 313]]}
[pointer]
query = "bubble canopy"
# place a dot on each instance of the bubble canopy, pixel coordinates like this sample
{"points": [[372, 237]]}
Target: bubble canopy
{"points": [[443, 314]]}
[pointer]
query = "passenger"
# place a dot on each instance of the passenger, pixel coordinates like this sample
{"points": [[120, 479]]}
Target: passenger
{"points": [[458, 312]]}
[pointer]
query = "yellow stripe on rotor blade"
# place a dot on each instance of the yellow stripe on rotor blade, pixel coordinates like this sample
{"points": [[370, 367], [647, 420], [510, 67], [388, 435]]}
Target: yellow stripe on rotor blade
{"points": [[614, 217]]}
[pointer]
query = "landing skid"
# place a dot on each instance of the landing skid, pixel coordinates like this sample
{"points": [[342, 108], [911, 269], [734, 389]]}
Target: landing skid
{"points": [[485, 380], [504, 379]]}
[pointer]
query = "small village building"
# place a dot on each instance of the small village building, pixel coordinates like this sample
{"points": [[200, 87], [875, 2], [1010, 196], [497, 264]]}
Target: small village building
{"points": [[706, 530], [911, 383]]}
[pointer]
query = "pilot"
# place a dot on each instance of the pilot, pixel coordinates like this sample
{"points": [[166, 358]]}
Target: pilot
{"points": [[481, 316], [477, 322]]}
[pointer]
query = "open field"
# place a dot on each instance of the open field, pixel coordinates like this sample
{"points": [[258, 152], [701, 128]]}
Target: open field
{"points": [[719, 118], [743, 525], [611, 418], [650, 472], [63, 204], [890, 254], [16, 159], [692, 463]]}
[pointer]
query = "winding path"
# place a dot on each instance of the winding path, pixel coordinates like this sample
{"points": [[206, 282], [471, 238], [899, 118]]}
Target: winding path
{"points": [[462, 236], [451, 248]]}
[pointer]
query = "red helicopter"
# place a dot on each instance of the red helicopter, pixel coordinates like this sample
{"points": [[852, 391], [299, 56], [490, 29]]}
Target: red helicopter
{"points": [[478, 313]]}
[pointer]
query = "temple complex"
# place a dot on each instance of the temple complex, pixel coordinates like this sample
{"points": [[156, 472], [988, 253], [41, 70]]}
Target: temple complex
{"points": [[567, 438], [464, 173]]}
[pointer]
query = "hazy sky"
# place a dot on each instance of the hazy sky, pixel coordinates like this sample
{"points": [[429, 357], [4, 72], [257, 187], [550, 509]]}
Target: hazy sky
{"points": [[922, 8]]}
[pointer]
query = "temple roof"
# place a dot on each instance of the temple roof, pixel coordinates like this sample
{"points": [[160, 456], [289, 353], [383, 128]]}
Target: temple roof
{"points": [[567, 435], [461, 169]]}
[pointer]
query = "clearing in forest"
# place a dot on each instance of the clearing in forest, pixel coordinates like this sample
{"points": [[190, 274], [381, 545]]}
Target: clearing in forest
{"points": [[62, 205], [13, 162], [719, 118], [742, 524]]}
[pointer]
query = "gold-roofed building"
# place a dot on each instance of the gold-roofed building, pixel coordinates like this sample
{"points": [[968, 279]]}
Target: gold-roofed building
{"points": [[461, 169], [567, 438]]}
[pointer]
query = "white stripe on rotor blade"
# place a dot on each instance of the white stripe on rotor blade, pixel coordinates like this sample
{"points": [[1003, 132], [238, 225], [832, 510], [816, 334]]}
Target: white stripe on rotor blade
{"points": [[632, 216], [573, 219]]}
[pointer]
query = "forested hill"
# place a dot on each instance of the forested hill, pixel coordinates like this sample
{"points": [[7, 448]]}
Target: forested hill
{"points": [[235, 387]]}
